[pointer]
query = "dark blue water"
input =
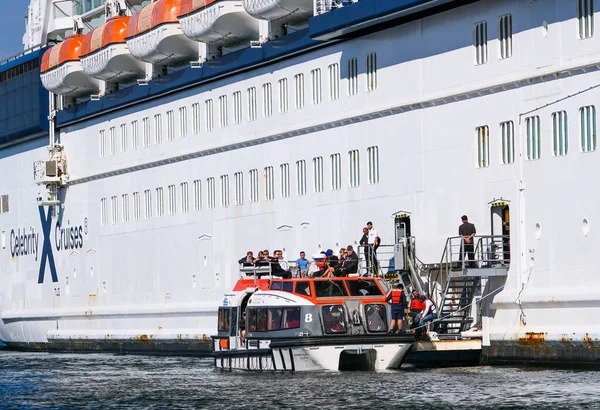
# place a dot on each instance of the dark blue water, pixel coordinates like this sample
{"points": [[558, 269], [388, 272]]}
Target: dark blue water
{"points": [[103, 381]]}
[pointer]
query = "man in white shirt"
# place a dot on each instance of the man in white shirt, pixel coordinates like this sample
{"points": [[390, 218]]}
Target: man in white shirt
{"points": [[428, 314], [372, 233]]}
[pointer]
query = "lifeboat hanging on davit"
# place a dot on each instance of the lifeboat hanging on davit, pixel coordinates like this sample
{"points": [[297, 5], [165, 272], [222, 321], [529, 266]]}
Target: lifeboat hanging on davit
{"points": [[61, 70], [154, 35], [217, 22], [281, 11], [105, 54]]}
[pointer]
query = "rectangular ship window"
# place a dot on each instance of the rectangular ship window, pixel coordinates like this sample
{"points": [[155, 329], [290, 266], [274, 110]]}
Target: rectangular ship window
{"points": [[223, 111], [371, 72], [253, 185], [238, 180], [170, 125], [352, 75], [146, 131], [197, 195], [3, 204], [301, 177], [225, 191], [183, 122], [160, 202], [334, 81], [507, 130], [354, 168], [373, 153], [113, 140], [172, 199], [237, 108], [158, 129], [125, 206], [196, 118], [284, 170], [267, 100], [185, 198], [336, 172], [251, 103], [136, 206], [505, 30], [147, 204], [114, 208], [560, 133], [299, 81], [135, 136], [210, 118], [480, 43], [269, 184], [102, 143], [103, 213], [533, 138], [123, 129], [3, 239], [318, 174], [317, 92], [283, 95], [210, 196], [483, 146], [585, 18], [588, 128]]}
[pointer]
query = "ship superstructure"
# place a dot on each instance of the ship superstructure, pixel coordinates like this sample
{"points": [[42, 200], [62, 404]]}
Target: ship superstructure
{"points": [[183, 133]]}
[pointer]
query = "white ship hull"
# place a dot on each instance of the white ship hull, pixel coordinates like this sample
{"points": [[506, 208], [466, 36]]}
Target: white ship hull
{"points": [[141, 273]]}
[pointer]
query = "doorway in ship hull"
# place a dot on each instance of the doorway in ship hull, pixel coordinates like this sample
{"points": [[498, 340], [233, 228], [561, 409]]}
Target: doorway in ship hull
{"points": [[500, 217]]}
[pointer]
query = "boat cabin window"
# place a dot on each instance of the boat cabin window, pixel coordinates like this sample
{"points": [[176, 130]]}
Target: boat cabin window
{"points": [[376, 317], [366, 287], [224, 320], [269, 319], [329, 288], [384, 286], [285, 286], [334, 319], [303, 288]]}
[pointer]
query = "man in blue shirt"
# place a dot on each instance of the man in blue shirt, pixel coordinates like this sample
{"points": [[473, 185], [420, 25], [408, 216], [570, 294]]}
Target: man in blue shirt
{"points": [[302, 263]]}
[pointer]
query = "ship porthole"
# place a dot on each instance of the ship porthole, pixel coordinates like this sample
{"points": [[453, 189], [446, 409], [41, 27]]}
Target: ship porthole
{"points": [[585, 227], [538, 231]]}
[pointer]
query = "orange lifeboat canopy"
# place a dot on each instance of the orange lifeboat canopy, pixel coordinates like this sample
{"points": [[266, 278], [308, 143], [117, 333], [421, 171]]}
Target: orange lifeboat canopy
{"points": [[61, 70], [189, 6], [171, 46], [105, 55]]}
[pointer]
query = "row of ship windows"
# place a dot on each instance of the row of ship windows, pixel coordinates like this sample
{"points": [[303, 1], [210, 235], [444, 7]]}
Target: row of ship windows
{"points": [[560, 137], [238, 191], [153, 131], [585, 19]]}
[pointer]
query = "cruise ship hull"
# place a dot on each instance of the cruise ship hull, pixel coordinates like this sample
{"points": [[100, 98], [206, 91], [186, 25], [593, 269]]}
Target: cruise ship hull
{"points": [[169, 186]]}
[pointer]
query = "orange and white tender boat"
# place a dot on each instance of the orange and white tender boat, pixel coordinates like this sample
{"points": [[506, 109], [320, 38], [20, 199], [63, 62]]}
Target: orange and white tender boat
{"points": [[105, 54], [62, 72], [154, 35], [308, 324]]}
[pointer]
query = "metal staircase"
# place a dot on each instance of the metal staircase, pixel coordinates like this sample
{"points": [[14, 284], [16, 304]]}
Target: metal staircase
{"points": [[454, 308]]}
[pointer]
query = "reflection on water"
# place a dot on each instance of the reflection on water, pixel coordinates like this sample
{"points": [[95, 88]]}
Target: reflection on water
{"points": [[103, 381]]}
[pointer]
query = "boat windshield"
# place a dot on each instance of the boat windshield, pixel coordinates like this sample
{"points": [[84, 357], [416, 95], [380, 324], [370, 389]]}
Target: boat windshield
{"points": [[276, 318], [330, 288], [384, 286], [376, 317], [333, 319], [224, 320], [366, 287]]}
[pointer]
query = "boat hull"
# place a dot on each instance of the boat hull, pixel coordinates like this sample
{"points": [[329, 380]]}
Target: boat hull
{"points": [[164, 45], [69, 80], [113, 63], [282, 11]]}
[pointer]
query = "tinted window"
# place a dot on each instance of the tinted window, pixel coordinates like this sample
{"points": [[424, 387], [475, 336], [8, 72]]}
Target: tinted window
{"points": [[274, 322], [261, 320], [291, 318], [287, 286], [334, 319], [384, 286], [329, 288], [276, 286], [303, 288], [366, 287], [224, 322], [376, 318]]}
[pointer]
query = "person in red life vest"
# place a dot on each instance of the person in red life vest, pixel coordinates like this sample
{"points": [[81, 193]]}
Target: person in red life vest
{"points": [[397, 299], [416, 306]]}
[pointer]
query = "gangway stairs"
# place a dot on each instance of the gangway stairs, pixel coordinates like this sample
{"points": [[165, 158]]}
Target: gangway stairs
{"points": [[455, 306]]}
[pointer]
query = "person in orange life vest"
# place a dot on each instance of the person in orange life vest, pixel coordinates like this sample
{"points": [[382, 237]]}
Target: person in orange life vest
{"points": [[397, 299]]}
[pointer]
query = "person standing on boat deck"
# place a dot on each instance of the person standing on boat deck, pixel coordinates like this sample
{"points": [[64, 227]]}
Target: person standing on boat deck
{"points": [[467, 231], [302, 263], [247, 260], [364, 240], [428, 314], [398, 300], [371, 240]]}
